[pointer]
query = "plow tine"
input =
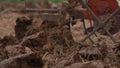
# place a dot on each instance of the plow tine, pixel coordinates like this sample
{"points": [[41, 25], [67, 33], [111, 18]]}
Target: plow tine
{"points": [[110, 35], [115, 12], [86, 31], [84, 27], [96, 35], [91, 23], [92, 26], [84, 39], [103, 23]]}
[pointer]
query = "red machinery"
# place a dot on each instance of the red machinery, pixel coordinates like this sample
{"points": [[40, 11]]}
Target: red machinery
{"points": [[104, 13], [101, 7]]}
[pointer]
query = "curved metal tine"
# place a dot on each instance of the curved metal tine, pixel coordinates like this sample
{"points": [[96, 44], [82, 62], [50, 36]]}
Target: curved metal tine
{"points": [[115, 12], [90, 34], [91, 25], [91, 22], [110, 35], [86, 31], [91, 12]]}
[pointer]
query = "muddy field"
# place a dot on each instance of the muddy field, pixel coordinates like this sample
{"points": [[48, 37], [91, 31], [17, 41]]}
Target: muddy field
{"points": [[30, 42]]}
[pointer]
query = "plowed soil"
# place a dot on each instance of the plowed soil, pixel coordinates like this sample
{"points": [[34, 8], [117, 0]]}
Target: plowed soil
{"points": [[27, 42]]}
